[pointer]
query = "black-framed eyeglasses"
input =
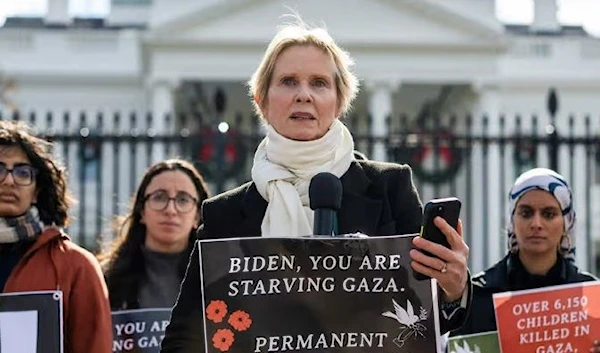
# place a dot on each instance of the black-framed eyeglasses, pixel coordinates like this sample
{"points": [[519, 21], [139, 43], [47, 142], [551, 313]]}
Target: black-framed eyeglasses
{"points": [[159, 200], [23, 174]]}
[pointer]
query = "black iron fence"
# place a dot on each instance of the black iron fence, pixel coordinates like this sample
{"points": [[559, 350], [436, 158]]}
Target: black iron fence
{"points": [[473, 157]]}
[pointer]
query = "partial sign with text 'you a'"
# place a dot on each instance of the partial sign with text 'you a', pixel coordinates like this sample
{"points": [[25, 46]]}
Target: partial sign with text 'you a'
{"points": [[139, 331]]}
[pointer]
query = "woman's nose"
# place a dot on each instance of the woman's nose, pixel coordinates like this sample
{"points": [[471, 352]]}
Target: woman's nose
{"points": [[536, 220], [8, 179], [170, 209], [304, 94]]}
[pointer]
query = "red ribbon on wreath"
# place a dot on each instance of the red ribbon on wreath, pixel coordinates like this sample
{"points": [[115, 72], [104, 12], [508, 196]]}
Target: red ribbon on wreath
{"points": [[445, 153], [208, 150], [234, 153], [450, 155]]}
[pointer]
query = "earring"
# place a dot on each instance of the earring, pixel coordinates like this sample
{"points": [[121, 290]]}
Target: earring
{"points": [[513, 245], [564, 247]]}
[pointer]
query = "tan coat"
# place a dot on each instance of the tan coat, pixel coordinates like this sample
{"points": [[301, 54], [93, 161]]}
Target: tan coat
{"points": [[54, 262]]}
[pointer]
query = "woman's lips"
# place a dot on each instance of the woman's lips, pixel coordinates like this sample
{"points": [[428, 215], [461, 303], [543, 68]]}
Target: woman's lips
{"points": [[8, 197], [536, 238], [302, 116], [169, 224]]}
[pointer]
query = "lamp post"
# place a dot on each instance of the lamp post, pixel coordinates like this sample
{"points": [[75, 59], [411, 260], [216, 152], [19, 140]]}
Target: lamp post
{"points": [[220, 102], [553, 142]]}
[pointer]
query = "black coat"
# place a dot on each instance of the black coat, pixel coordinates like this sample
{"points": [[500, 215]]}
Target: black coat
{"points": [[378, 199], [510, 275]]}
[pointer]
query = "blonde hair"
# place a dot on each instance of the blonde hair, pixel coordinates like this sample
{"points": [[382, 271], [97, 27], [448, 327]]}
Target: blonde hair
{"points": [[299, 33]]}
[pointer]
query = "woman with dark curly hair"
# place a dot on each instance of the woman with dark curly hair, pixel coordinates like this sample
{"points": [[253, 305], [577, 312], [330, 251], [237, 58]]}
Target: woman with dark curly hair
{"points": [[147, 260], [35, 253]]}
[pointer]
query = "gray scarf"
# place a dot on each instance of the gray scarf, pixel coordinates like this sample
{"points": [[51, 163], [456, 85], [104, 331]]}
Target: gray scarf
{"points": [[24, 227]]}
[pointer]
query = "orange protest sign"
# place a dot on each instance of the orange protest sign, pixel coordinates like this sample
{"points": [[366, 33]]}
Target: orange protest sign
{"points": [[559, 319]]}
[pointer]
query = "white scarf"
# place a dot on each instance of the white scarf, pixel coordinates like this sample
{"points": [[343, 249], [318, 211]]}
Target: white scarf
{"points": [[282, 172]]}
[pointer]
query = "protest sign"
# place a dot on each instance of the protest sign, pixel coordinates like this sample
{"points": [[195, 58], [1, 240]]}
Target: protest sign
{"points": [[485, 342], [139, 331], [325, 294], [31, 322], [558, 319]]}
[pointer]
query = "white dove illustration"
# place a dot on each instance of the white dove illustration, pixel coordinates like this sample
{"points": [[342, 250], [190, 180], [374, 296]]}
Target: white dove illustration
{"points": [[405, 317]]}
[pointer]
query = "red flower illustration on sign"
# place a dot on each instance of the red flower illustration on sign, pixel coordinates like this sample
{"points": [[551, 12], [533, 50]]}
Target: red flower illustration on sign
{"points": [[216, 310], [223, 339], [240, 320]]}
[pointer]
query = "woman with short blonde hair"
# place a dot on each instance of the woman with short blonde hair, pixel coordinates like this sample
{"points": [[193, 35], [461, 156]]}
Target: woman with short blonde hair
{"points": [[300, 90], [347, 84]]}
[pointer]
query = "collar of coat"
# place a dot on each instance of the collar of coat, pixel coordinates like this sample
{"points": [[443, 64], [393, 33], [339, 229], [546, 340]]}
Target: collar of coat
{"points": [[496, 277]]}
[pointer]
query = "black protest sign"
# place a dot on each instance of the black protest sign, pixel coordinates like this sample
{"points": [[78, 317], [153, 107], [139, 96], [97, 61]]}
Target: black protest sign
{"points": [[31, 322], [139, 331], [315, 294]]}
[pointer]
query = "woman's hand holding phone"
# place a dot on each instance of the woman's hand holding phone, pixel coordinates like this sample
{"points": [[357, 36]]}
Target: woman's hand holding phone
{"points": [[441, 252]]}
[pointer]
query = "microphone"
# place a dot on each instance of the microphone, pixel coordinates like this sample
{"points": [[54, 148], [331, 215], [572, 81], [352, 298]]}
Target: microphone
{"points": [[325, 193]]}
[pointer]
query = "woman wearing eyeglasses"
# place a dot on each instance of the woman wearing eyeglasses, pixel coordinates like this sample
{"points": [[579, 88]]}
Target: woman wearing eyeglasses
{"points": [[35, 253], [147, 259]]}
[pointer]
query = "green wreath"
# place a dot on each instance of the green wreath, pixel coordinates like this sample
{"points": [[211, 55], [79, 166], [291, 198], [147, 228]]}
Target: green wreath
{"points": [[524, 153], [234, 154], [451, 156]]}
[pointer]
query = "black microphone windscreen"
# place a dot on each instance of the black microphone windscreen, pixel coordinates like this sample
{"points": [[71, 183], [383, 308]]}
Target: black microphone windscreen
{"points": [[325, 191]]}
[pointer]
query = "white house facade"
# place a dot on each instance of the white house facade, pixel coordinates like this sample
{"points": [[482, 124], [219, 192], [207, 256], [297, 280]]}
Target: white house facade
{"points": [[145, 54]]}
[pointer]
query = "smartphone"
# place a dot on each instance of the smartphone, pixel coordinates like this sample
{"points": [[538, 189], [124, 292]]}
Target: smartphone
{"points": [[447, 208]]}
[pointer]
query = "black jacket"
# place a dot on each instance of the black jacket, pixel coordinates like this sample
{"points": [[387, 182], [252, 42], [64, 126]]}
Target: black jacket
{"points": [[378, 199], [510, 275]]}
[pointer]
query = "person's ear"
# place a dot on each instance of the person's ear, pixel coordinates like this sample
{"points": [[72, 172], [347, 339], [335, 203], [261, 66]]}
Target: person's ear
{"points": [[262, 105], [338, 110]]}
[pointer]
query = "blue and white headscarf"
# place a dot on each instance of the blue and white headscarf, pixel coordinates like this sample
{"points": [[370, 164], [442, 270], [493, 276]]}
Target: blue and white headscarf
{"points": [[555, 184]]}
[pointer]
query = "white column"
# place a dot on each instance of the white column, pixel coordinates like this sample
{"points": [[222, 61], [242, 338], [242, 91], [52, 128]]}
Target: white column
{"points": [[162, 98], [129, 13], [489, 242], [380, 107], [161, 102], [545, 16], [58, 12]]}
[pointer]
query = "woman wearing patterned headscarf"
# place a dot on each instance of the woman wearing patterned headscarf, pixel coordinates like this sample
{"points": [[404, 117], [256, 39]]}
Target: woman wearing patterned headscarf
{"points": [[540, 242]]}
